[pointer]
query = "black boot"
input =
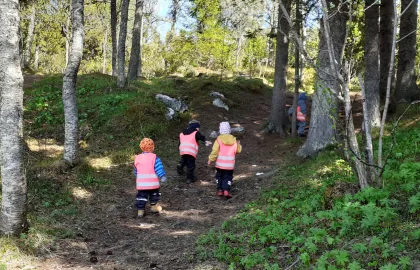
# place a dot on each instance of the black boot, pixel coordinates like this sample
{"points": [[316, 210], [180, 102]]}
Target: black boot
{"points": [[180, 170], [190, 176]]}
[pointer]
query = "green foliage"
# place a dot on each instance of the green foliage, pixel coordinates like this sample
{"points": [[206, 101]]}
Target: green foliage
{"points": [[324, 221]]}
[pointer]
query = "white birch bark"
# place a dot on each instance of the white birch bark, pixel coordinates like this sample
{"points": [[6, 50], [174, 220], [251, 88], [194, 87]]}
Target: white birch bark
{"points": [[12, 217], [69, 84], [29, 38], [104, 50]]}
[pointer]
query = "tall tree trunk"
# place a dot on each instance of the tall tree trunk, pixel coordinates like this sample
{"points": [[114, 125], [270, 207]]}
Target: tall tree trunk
{"points": [[36, 58], [104, 50], [68, 38], [322, 129], [29, 38], [278, 106], [140, 68], [114, 36], [372, 62], [135, 56], [297, 68], [238, 52], [69, 84], [12, 216], [406, 88], [386, 30], [121, 43]]}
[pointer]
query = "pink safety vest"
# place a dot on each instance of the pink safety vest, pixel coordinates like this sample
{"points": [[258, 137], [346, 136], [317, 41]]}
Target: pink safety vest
{"points": [[188, 145], [226, 158], [146, 175], [300, 116]]}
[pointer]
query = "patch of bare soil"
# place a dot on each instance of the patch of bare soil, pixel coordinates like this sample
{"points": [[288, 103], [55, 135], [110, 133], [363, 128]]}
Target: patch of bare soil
{"points": [[30, 79]]}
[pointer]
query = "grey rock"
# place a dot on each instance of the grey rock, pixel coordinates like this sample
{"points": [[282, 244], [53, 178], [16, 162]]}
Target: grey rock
{"points": [[217, 95], [176, 104], [239, 129], [213, 135], [170, 114], [219, 103]]}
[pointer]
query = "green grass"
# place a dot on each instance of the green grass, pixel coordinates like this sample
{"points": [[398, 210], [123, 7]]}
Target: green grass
{"points": [[317, 218], [112, 122]]}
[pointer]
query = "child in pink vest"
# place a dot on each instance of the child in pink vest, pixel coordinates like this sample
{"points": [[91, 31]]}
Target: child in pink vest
{"points": [[224, 150], [148, 170], [188, 149]]}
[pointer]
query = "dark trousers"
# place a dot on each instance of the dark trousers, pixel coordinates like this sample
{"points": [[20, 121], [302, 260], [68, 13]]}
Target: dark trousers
{"points": [[144, 195], [224, 179], [189, 162]]}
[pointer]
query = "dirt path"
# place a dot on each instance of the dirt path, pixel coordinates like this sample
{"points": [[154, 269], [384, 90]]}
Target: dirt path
{"points": [[108, 234]]}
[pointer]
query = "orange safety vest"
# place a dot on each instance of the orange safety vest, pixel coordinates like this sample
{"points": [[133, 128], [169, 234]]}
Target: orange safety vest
{"points": [[188, 145], [300, 116], [146, 176], [226, 158]]}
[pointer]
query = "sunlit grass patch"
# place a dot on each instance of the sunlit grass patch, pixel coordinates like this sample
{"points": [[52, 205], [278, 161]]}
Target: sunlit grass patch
{"points": [[317, 217]]}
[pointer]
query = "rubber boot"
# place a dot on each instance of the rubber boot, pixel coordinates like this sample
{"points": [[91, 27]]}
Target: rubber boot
{"points": [[180, 170], [190, 176], [140, 213], [156, 208]]}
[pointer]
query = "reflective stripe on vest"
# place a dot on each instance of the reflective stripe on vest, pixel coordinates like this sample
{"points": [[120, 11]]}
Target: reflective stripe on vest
{"points": [[188, 145], [300, 116], [226, 158], [146, 175]]}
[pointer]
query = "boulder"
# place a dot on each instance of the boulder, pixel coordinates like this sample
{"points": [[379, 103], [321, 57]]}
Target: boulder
{"points": [[217, 95], [219, 103], [176, 104]]}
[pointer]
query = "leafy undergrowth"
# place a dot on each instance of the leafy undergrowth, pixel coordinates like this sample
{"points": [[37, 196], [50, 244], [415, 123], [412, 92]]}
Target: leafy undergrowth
{"points": [[112, 121], [318, 218]]}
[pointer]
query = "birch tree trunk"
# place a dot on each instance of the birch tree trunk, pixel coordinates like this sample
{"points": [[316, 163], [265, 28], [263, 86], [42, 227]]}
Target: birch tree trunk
{"points": [[68, 38], [114, 36], [406, 88], [372, 63], [69, 84], [121, 43], [29, 38], [387, 14], [36, 58], [12, 216], [322, 129], [135, 56], [278, 106], [104, 50]]}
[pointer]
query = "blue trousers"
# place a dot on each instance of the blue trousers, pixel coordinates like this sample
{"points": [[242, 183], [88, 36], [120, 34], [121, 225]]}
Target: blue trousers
{"points": [[301, 127], [224, 179], [144, 195]]}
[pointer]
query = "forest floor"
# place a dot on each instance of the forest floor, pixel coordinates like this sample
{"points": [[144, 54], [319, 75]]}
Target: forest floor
{"points": [[110, 236]]}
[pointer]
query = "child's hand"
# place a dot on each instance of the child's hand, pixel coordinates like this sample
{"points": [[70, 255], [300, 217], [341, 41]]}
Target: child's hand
{"points": [[209, 162], [208, 143], [163, 179]]}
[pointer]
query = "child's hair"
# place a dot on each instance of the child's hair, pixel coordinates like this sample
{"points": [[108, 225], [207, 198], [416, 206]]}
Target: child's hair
{"points": [[147, 145]]}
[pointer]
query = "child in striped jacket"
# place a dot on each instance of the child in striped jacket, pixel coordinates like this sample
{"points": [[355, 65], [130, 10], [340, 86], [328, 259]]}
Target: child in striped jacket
{"points": [[148, 170]]}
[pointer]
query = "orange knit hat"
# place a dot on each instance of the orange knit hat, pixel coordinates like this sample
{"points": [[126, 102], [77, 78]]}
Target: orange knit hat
{"points": [[147, 145]]}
